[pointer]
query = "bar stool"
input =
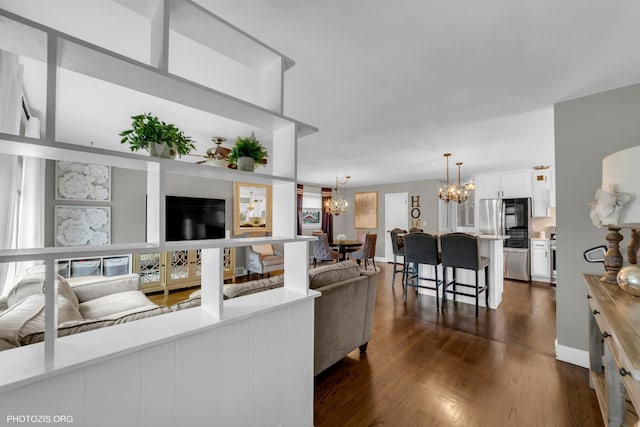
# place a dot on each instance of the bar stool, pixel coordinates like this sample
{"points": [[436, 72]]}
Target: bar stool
{"points": [[421, 248], [397, 244], [461, 250]]}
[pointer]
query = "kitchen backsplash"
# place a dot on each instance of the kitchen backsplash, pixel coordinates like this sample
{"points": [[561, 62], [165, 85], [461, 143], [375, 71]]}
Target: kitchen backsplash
{"points": [[543, 227]]}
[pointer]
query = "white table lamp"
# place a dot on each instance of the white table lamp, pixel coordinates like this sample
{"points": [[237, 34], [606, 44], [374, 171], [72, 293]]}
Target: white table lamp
{"points": [[617, 206]]}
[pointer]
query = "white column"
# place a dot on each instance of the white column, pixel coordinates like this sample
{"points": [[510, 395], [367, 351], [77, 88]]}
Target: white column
{"points": [[212, 280]]}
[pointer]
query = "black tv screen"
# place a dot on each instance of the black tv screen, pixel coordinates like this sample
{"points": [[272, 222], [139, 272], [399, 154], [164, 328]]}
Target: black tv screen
{"points": [[194, 218]]}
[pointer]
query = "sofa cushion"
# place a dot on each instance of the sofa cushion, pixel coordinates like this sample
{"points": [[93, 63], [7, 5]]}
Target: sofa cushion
{"points": [[115, 303], [74, 327], [332, 273], [92, 287], [27, 316], [31, 285], [67, 312], [239, 289], [12, 320]]}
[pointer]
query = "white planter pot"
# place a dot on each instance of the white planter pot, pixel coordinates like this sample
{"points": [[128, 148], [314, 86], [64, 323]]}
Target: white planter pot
{"points": [[161, 149], [246, 164]]}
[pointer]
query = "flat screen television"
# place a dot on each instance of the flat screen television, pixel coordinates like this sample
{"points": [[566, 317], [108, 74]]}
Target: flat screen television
{"points": [[194, 218]]}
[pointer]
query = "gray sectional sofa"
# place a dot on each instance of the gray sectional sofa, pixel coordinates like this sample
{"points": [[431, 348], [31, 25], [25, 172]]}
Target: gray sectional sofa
{"points": [[343, 313], [84, 304]]}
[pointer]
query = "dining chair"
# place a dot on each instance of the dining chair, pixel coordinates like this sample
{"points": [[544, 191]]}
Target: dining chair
{"points": [[322, 251], [366, 252], [421, 249], [397, 245], [461, 250], [361, 235]]}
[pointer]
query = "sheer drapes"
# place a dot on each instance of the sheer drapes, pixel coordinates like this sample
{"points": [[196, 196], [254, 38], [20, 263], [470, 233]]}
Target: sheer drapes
{"points": [[299, 206], [327, 218], [22, 179], [10, 105]]}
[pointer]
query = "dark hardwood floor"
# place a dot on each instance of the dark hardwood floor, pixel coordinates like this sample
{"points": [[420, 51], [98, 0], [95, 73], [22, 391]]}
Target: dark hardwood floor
{"points": [[425, 368]]}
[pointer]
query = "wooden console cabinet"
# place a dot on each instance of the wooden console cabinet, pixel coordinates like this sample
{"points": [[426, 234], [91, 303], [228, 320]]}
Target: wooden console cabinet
{"points": [[614, 352], [166, 271]]}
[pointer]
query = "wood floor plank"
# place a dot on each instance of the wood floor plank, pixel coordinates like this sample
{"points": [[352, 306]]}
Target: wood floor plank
{"points": [[425, 368]]}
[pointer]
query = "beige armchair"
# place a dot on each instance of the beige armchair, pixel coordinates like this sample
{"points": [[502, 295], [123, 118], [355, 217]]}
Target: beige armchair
{"points": [[264, 259]]}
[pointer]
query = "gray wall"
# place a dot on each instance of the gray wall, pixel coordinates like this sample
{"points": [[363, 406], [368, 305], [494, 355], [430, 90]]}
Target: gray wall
{"points": [[586, 130], [426, 189], [128, 201]]}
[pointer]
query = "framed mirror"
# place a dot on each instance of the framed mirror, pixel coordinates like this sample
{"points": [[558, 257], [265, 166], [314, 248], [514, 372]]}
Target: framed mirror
{"points": [[251, 208]]}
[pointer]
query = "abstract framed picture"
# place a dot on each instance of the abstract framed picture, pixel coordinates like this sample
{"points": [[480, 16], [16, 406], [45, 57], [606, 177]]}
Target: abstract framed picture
{"points": [[82, 225], [310, 216], [82, 181], [366, 210]]}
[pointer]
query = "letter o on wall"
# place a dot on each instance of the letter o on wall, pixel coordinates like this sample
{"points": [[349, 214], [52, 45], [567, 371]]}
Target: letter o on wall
{"points": [[415, 213]]}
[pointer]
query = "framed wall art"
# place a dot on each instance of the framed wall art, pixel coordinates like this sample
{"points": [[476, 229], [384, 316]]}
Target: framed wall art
{"points": [[310, 217], [82, 181], [82, 225], [366, 210]]}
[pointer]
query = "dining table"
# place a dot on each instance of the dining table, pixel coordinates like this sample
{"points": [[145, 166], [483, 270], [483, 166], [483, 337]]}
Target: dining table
{"points": [[344, 246]]}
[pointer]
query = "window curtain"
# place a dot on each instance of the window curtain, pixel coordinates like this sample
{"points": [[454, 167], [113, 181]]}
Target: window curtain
{"points": [[10, 107], [327, 218], [31, 205], [299, 205], [22, 179]]}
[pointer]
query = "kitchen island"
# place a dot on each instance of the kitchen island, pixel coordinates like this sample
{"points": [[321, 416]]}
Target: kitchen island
{"points": [[491, 246]]}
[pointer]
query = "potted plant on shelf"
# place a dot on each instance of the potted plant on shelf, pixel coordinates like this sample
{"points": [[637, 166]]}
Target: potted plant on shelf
{"points": [[248, 152], [159, 138]]}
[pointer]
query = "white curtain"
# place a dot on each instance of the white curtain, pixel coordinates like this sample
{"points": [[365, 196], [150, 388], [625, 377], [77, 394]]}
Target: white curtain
{"points": [[22, 180], [31, 219], [10, 107]]}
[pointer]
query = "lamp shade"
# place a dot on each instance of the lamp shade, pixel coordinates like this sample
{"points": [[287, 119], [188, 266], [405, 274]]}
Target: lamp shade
{"points": [[621, 175]]}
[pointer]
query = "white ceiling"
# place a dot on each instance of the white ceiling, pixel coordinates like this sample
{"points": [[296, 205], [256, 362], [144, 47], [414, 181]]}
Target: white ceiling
{"points": [[394, 85]]}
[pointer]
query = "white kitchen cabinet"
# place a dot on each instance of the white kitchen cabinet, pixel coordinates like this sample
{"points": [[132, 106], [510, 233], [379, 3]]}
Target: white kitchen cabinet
{"points": [[540, 260], [542, 184], [503, 185]]}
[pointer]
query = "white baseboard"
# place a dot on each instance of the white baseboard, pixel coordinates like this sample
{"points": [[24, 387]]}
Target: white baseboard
{"points": [[572, 355], [380, 259]]}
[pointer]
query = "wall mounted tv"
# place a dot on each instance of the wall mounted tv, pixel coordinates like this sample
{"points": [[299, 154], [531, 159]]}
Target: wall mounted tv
{"points": [[193, 218]]}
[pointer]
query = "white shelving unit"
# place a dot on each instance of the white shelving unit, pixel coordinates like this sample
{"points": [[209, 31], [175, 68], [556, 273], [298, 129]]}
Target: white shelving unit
{"points": [[217, 333]]}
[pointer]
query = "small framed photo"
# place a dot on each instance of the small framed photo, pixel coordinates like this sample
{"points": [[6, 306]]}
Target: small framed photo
{"points": [[310, 217]]}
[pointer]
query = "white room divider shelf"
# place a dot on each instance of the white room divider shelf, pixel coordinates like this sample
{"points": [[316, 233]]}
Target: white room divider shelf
{"points": [[270, 333]]}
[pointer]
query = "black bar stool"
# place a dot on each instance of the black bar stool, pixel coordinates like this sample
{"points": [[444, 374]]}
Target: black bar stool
{"points": [[421, 248], [461, 250], [397, 244]]}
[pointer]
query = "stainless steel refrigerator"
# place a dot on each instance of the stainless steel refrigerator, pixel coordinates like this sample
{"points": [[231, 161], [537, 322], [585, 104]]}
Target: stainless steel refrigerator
{"points": [[511, 217]]}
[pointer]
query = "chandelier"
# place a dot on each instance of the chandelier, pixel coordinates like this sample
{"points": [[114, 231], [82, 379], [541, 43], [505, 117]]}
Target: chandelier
{"points": [[455, 192], [337, 205]]}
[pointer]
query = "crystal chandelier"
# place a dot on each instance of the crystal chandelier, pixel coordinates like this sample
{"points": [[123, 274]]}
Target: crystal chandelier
{"points": [[455, 192], [338, 205]]}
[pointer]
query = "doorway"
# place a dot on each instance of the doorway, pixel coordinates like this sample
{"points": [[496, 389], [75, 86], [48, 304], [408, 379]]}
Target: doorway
{"points": [[396, 214]]}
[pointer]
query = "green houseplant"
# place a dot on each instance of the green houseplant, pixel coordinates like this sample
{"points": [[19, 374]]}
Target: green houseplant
{"points": [[247, 152], [159, 138]]}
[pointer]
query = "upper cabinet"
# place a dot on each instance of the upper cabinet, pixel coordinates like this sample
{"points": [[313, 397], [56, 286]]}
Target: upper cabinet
{"points": [[503, 185], [543, 193]]}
